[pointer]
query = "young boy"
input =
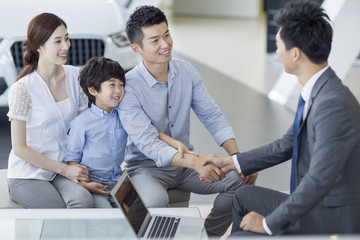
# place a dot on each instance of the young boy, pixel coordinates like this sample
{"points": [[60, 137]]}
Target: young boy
{"points": [[97, 138]]}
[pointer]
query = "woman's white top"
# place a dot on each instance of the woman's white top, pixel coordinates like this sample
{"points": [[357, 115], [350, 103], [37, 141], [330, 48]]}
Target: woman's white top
{"points": [[64, 106], [47, 121]]}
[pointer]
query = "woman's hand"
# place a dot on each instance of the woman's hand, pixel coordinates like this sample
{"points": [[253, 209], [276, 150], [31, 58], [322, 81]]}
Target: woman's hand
{"points": [[76, 172]]}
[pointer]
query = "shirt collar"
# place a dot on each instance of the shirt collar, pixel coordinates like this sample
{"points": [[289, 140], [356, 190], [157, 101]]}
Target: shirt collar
{"points": [[306, 91], [151, 81], [99, 112]]}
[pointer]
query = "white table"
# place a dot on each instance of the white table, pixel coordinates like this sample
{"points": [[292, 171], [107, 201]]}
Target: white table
{"points": [[19, 224]]}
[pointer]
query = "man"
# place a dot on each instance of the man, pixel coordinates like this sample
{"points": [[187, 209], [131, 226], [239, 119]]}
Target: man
{"points": [[326, 148], [159, 94]]}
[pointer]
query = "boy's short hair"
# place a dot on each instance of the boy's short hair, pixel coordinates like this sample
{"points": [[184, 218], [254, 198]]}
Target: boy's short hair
{"points": [[304, 24], [98, 70], [143, 16]]}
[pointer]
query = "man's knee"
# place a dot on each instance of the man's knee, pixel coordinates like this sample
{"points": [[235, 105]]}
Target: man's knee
{"points": [[157, 201], [233, 181], [243, 195]]}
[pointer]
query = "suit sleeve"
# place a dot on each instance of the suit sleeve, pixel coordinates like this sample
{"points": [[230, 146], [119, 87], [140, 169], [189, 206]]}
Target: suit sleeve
{"points": [[267, 156]]}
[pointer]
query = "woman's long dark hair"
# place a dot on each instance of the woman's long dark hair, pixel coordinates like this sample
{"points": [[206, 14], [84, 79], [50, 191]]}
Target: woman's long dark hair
{"points": [[40, 28]]}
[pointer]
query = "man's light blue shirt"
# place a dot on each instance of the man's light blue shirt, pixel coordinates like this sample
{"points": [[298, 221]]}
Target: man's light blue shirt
{"points": [[97, 140], [150, 106]]}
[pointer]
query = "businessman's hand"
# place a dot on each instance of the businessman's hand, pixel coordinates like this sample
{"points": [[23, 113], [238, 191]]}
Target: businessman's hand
{"points": [[225, 164], [250, 179], [253, 222], [209, 172]]}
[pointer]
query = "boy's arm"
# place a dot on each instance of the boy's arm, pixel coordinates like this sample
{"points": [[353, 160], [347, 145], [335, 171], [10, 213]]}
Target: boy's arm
{"points": [[92, 187], [76, 143], [176, 144]]}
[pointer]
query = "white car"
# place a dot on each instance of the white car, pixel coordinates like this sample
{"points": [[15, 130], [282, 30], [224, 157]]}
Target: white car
{"points": [[96, 28]]}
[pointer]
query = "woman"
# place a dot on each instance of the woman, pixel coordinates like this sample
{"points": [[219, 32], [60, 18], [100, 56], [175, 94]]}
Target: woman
{"points": [[44, 99]]}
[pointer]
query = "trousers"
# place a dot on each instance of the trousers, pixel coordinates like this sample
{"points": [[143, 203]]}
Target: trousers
{"points": [[152, 183], [102, 200], [61, 192], [260, 200]]}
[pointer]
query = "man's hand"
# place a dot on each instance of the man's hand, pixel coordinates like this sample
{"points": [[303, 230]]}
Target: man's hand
{"points": [[253, 222], [225, 164], [209, 172], [95, 187], [250, 179]]}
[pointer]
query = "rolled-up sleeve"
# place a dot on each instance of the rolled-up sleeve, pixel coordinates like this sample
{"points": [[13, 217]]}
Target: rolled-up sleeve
{"points": [[209, 112]]}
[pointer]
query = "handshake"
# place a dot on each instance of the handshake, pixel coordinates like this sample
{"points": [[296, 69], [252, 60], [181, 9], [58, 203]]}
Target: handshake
{"points": [[212, 168]]}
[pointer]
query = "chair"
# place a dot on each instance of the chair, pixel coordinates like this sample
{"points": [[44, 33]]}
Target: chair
{"points": [[178, 198]]}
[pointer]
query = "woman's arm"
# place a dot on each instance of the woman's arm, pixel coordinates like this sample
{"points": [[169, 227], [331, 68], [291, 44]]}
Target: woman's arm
{"points": [[21, 149]]}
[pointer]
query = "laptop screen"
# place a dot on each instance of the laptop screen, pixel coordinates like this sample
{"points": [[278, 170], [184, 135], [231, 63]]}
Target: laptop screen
{"points": [[129, 200]]}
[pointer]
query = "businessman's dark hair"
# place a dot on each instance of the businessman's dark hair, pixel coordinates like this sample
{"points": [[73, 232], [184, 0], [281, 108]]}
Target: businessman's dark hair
{"points": [[143, 16], [304, 24]]}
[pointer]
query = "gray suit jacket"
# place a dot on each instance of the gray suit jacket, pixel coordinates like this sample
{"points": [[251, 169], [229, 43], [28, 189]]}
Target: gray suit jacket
{"points": [[327, 197]]}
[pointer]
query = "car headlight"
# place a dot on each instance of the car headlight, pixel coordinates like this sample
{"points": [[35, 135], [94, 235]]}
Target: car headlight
{"points": [[120, 39]]}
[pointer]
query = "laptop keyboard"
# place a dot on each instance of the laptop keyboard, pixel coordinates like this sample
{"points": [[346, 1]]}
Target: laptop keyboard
{"points": [[163, 228]]}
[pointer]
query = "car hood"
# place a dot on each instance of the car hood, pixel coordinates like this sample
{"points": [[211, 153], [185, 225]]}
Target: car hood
{"points": [[81, 16]]}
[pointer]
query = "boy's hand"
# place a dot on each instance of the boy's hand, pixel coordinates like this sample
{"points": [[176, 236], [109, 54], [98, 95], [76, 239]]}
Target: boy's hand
{"points": [[183, 149], [95, 187]]}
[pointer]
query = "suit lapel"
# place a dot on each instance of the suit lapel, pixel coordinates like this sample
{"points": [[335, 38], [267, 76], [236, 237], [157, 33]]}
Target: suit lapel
{"points": [[329, 73]]}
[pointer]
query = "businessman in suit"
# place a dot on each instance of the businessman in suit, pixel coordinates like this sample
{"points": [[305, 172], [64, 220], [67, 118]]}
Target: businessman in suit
{"points": [[325, 153]]}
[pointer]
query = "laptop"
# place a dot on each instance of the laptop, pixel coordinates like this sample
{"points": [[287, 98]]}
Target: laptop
{"points": [[152, 226]]}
